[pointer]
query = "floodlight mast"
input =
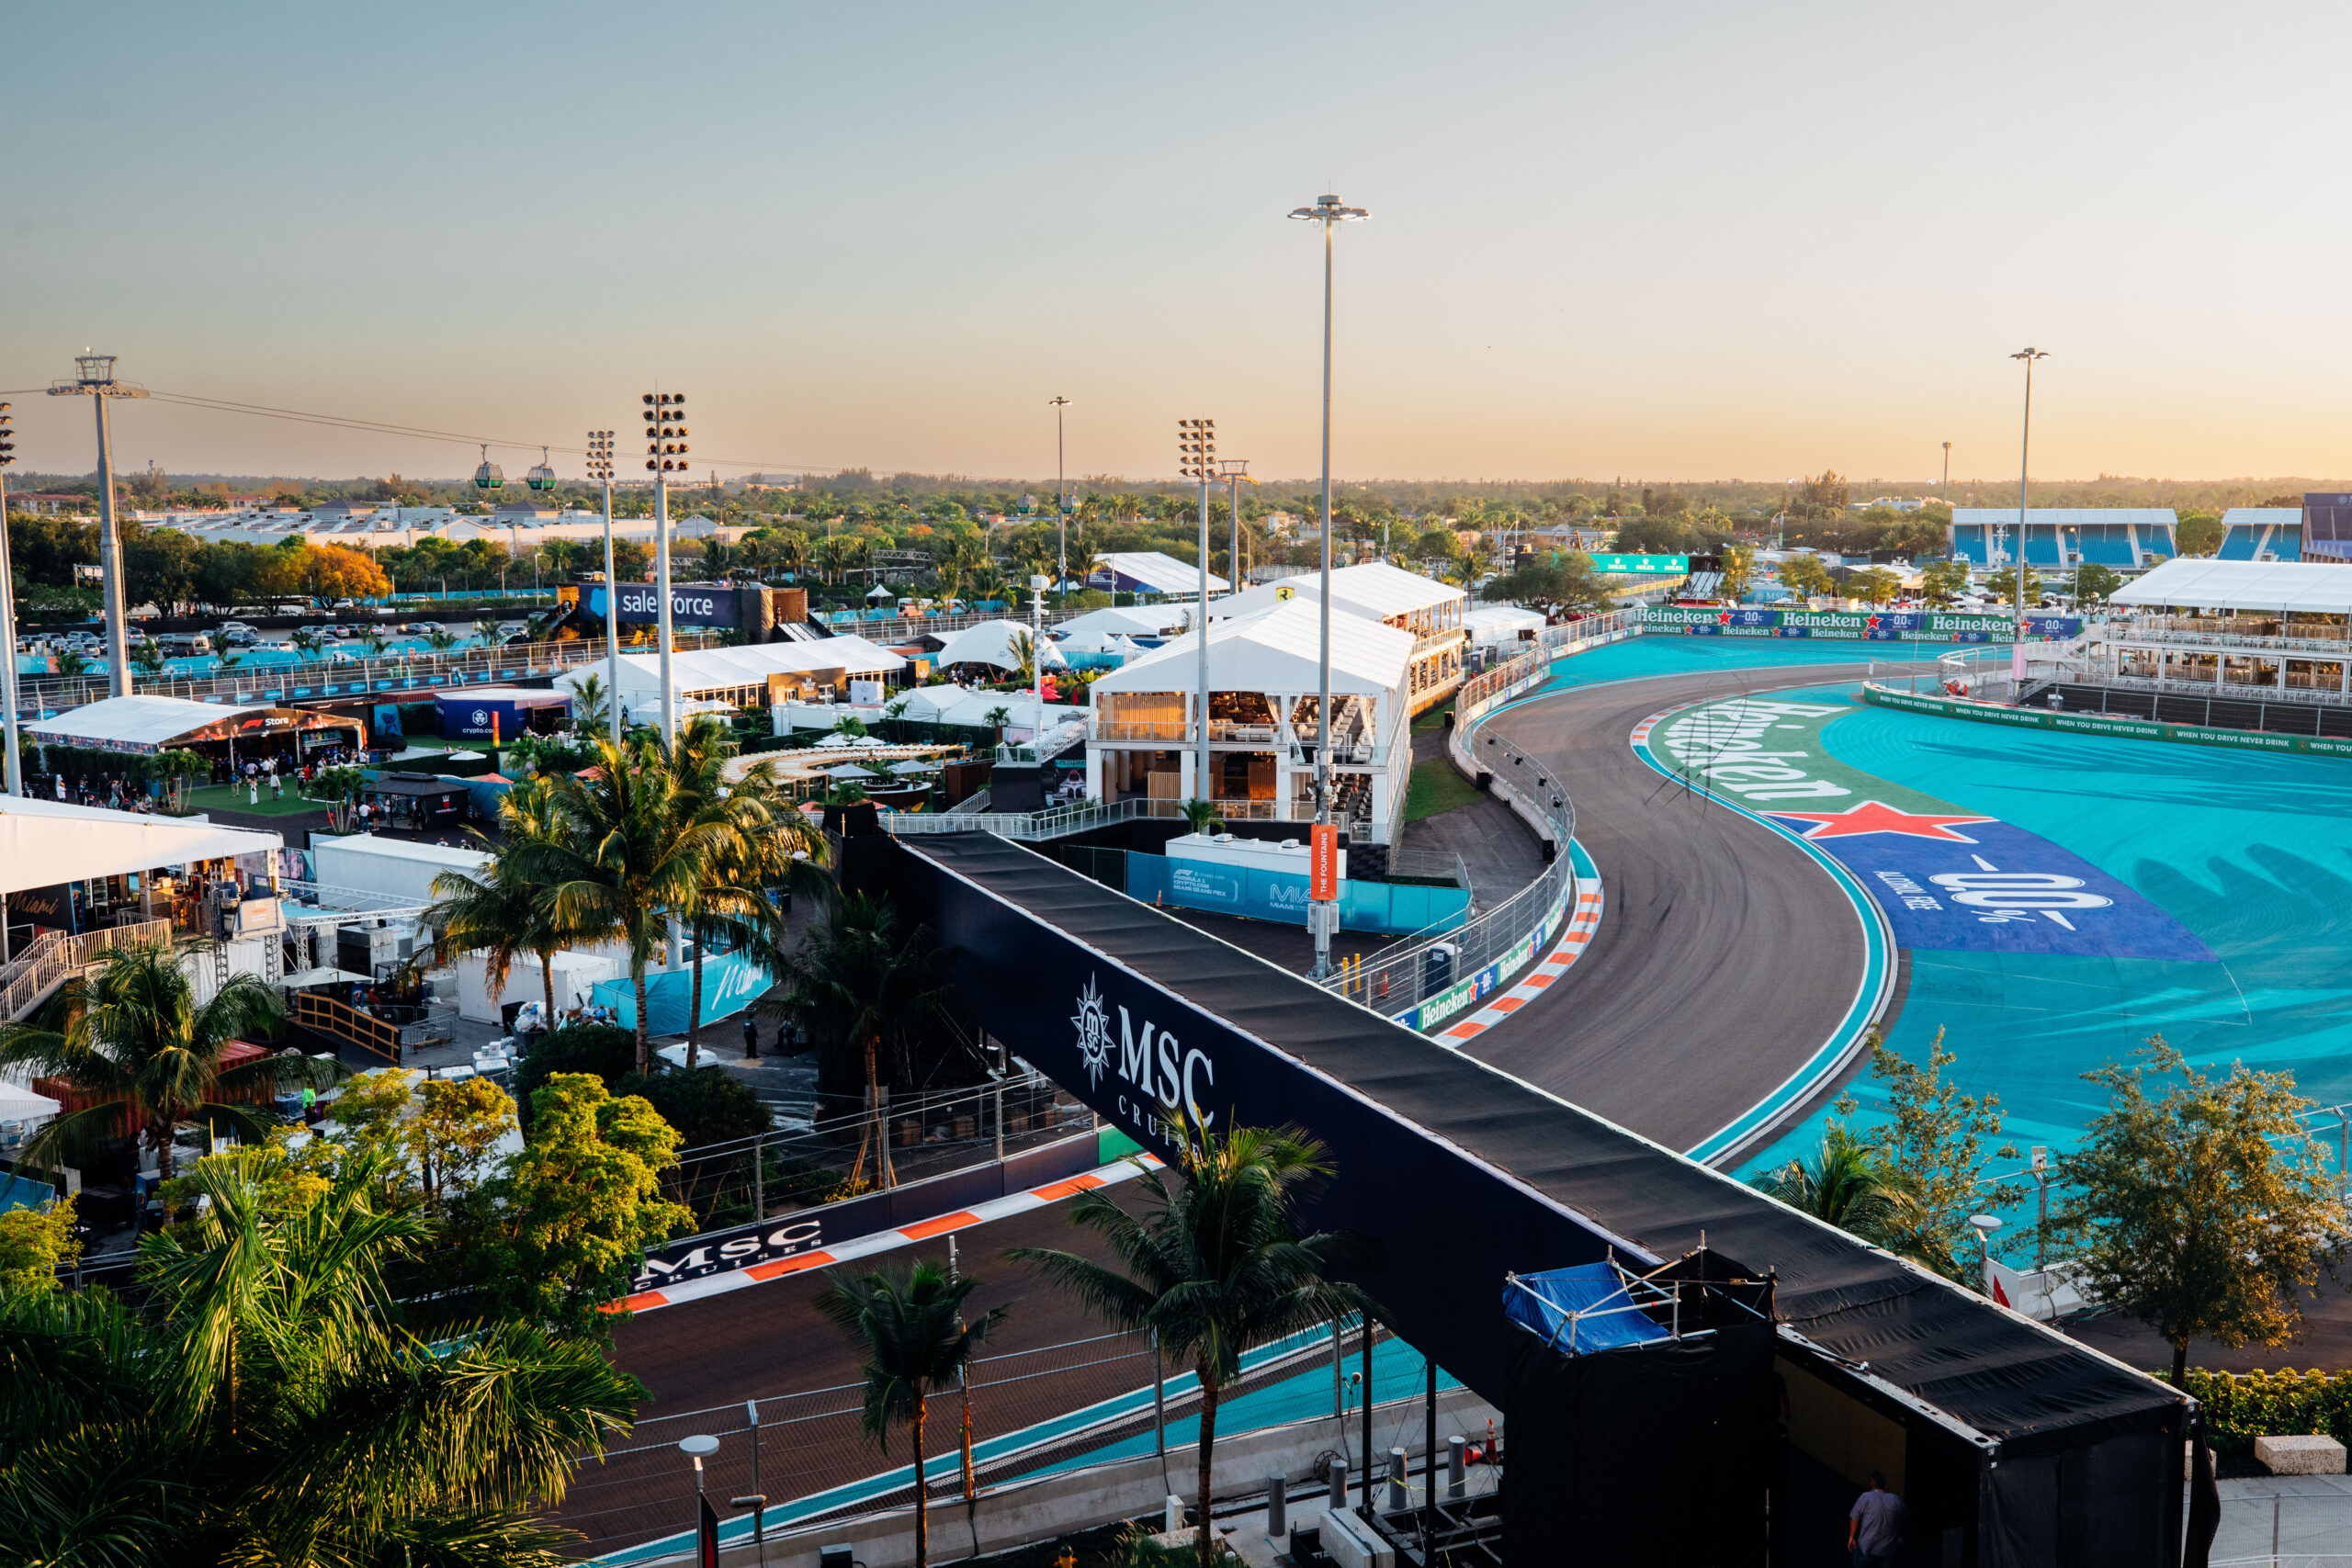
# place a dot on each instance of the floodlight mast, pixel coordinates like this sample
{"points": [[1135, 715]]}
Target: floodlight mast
{"points": [[1196, 459], [16, 774], [94, 380], [600, 467], [1329, 211], [2025, 450]]}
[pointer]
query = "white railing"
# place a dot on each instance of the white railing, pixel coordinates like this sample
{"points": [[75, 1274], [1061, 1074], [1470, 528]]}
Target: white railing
{"points": [[56, 956]]}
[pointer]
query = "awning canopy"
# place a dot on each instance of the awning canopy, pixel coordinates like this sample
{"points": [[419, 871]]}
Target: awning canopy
{"points": [[1375, 588], [717, 669], [150, 724], [1151, 571], [1276, 650], [44, 843], [2278, 586], [1157, 621]]}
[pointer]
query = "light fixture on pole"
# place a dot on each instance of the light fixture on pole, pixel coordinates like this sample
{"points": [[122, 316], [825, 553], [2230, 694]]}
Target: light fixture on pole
{"points": [[1061, 489], [1196, 459], [757, 1503], [665, 454], [2025, 451], [1986, 1225], [699, 1448], [1322, 912], [1946, 492], [94, 380], [16, 774], [1236, 473], [600, 468]]}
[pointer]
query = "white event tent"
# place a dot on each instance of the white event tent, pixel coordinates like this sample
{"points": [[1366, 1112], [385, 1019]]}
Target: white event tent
{"points": [[2286, 587], [733, 674], [151, 724], [44, 843], [991, 642], [1096, 626]]}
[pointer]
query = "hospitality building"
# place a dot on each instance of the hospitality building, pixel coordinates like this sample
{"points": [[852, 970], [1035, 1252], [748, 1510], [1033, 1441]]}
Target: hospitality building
{"points": [[1431, 612]]}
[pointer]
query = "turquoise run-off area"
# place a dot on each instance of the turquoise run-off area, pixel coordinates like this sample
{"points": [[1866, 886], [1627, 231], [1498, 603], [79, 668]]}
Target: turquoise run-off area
{"points": [[2250, 853]]}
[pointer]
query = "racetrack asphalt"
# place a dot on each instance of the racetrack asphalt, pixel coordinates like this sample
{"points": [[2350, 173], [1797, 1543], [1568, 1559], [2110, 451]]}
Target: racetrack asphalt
{"points": [[1725, 956], [700, 1361]]}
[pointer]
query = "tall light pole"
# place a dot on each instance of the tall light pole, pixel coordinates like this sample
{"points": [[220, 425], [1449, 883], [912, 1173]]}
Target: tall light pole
{"points": [[665, 453], [1328, 212], [8, 619], [1236, 474], [1196, 459], [95, 380], [1947, 486], [600, 468], [1061, 491], [2025, 450]]}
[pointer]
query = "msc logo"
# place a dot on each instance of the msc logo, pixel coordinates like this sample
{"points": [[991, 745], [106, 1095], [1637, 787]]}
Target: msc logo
{"points": [[1166, 1077]]}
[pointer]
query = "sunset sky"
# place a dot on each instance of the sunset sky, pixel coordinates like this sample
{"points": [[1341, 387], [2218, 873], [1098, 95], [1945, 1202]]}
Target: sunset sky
{"points": [[1670, 241]]}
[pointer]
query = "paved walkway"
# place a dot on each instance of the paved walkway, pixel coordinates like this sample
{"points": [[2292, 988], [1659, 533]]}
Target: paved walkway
{"points": [[2313, 1515]]}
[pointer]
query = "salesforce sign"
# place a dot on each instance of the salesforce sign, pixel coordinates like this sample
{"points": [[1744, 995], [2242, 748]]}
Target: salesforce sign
{"points": [[691, 604]]}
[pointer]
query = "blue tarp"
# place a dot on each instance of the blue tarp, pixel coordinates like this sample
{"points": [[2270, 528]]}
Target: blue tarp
{"points": [[730, 982], [1282, 896], [1543, 1306]]}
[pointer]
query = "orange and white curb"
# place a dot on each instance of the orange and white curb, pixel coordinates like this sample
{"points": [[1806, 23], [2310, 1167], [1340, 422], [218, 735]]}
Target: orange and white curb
{"points": [[880, 1241], [1583, 921]]}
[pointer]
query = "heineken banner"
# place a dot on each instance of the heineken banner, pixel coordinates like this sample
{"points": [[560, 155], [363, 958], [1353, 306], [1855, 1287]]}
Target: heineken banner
{"points": [[2127, 729], [1871, 625]]}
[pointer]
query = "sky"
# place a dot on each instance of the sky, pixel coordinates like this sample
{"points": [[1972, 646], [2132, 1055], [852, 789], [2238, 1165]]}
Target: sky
{"points": [[1674, 241]]}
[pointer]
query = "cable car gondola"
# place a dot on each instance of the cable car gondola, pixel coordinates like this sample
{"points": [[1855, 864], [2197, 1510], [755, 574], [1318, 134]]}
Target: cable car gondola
{"points": [[542, 477], [490, 476]]}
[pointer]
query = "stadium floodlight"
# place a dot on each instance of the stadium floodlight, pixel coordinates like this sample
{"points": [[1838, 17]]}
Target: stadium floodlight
{"points": [[2025, 449], [94, 380], [16, 769], [665, 454], [1061, 488], [1331, 212], [600, 468], [1196, 459]]}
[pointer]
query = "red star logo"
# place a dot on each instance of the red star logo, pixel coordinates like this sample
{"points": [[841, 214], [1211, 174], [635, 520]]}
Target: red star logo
{"points": [[1871, 623], [1722, 617], [1877, 817]]}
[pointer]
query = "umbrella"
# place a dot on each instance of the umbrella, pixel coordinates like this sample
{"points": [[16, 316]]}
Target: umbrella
{"points": [[849, 770], [879, 591], [917, 766]]}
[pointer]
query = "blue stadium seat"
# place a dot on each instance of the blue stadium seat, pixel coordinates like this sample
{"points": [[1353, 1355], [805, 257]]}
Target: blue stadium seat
{"points": [[1967, 543], [2237, 544], [2107, 544]]}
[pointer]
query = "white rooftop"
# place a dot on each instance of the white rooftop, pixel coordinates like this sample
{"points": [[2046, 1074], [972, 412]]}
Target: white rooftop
{"points": [[402, 848], [1275, 651], [46, 842], [1159, 573], [712, 667], [138, 721], [991, 642], [1376, 589], [2200, 583], [1141, 621]]}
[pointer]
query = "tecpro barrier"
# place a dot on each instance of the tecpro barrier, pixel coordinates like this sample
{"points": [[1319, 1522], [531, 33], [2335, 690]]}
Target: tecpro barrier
{"points": [[2088, 724], [1865, 625], [1282, 896]]}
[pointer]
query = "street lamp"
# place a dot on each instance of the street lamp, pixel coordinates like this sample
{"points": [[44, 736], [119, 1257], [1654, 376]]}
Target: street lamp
{"points": [[757, 1503], [1328, 212], [9, 621], [1236, 473], [665, 454], [2025, 449], [94, 380], [600, 468], [1986, 1225], [698, 1448], [1061, 488], [1947, 485], [1196, 459]]}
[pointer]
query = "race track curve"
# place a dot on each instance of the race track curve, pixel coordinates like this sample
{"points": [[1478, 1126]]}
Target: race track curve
{"points": [[1725, 956]]}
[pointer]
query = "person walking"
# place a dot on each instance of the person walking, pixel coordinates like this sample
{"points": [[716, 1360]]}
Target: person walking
{"points": [[253, 784], [751, 1038], [1875, 1526]]}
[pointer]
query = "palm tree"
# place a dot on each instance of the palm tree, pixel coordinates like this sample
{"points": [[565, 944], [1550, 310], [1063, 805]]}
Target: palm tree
{"points": [[440, 640], [71, 663], [148, 654], [862, 982], [591, 705], [130, 1035], [264, 1403], [626, 860], [1848, 1185], [1022, 645], [917, 1342], [731, 899], [1200, 815], [305, 642], [505, 915], [997, 719], [1216, 1268]]}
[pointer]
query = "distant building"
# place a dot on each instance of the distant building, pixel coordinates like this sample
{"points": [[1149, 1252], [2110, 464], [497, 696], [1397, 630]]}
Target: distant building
{"points": [[2129, 539], [2262, 533], [50, 506]]}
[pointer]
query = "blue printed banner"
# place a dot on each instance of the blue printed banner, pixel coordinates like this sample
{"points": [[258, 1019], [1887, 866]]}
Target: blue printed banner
{"points": [[1951, 881]]}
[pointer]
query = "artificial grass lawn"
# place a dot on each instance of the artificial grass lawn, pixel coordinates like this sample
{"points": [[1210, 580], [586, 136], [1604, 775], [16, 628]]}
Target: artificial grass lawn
{"points": [[221, 797], [1434, 787]]}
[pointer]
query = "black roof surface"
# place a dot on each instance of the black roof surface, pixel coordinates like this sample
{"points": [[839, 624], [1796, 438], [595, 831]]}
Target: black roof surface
{"points": [[2000, 1373]]}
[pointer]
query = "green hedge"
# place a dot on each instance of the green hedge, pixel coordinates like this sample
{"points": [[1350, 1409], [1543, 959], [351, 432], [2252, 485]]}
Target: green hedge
{"points": [[2242, 1406]]}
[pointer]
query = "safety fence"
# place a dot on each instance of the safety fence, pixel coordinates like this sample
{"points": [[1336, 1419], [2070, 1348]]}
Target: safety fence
{"points": [[1032, 1410], [816, 1160], [1426, 979], [55, 957]]}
